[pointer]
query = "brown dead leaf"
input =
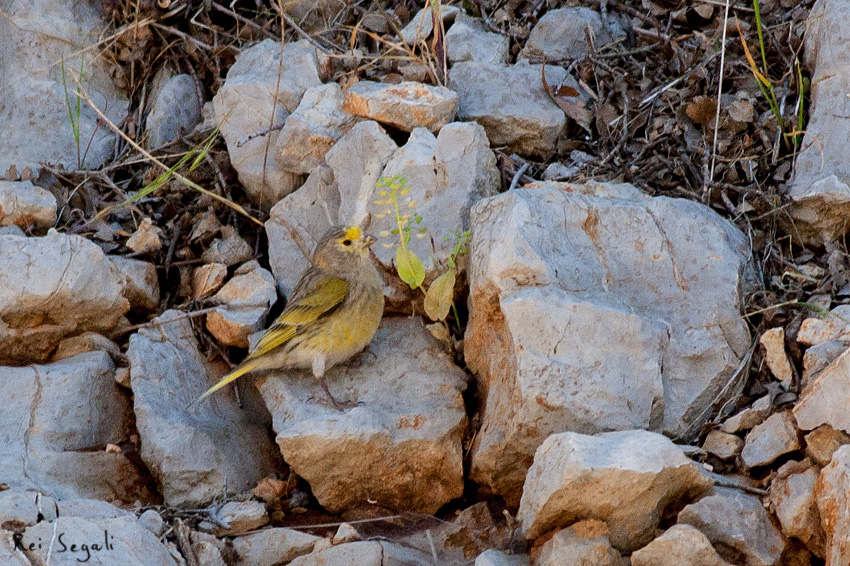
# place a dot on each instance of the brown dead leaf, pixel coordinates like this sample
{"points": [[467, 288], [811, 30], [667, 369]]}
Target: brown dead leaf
{"points": [[701, 110]]}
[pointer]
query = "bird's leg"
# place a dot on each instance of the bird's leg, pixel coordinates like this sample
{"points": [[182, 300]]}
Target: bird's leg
{"points": [[318, 373], [334, 402]]}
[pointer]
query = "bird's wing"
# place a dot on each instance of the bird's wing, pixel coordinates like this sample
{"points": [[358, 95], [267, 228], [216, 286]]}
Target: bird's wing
{"points": [[308, 305]]}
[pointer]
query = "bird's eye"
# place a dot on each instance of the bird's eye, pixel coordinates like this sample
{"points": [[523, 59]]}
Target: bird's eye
{"points": [[346, 242]]}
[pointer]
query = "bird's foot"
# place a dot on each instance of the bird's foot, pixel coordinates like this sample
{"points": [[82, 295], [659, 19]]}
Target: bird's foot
{"points": [[330, 401]]}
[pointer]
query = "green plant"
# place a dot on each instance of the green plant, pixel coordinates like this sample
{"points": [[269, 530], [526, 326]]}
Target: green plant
{"points": [[74, 111], [409, 266], [439, 297], [766, 86]]}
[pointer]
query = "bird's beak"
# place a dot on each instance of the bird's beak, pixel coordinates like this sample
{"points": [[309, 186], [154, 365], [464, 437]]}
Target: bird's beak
{"points": [[370, 239]]}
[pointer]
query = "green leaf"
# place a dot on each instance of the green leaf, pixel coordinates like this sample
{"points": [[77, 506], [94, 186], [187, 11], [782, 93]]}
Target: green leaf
{"points": [[438, 299], [409, 267]]}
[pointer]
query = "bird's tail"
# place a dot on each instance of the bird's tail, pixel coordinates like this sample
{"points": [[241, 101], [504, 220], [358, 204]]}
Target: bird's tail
{"points": [[240, 370]]}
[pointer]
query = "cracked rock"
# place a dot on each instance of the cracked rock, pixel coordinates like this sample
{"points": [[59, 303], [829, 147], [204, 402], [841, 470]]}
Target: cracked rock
{"points": [[661, 278], [52, 287], [399, 447], [55, 423], [193, 452]]}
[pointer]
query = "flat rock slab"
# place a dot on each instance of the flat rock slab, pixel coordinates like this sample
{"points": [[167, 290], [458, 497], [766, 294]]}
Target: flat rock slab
{"points": [[100, 542], [193, 452], [594, 308], [628, 479], [55, 422], [400, 446], [738, 526], [404, 106], [52, 287]]}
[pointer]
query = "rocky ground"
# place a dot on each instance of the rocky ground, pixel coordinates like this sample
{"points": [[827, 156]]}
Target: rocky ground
{"points": [[646, 359]]}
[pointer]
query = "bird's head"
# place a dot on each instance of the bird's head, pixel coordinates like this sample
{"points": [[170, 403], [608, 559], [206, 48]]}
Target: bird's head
{"points": [[343, 248]]}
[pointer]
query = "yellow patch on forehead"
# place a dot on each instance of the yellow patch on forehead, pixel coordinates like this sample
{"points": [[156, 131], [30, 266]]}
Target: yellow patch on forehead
{"points": [[352, 233]]}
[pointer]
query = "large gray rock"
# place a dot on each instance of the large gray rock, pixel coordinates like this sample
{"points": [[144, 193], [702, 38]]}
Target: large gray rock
{"points": [[26, 206], [55, 423], [100, 542], [52, 287], [312, 129], [820, 188], [594, 308], [511, 104], [447, 174], [38, 38], [193, 452], [244, 105], [628, 479], [176, 108], [399, 447], [563, 34], [738, 526]]}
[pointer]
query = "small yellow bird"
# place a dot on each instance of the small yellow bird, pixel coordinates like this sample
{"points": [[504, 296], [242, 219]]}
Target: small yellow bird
{"points": [[332, 315]]}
